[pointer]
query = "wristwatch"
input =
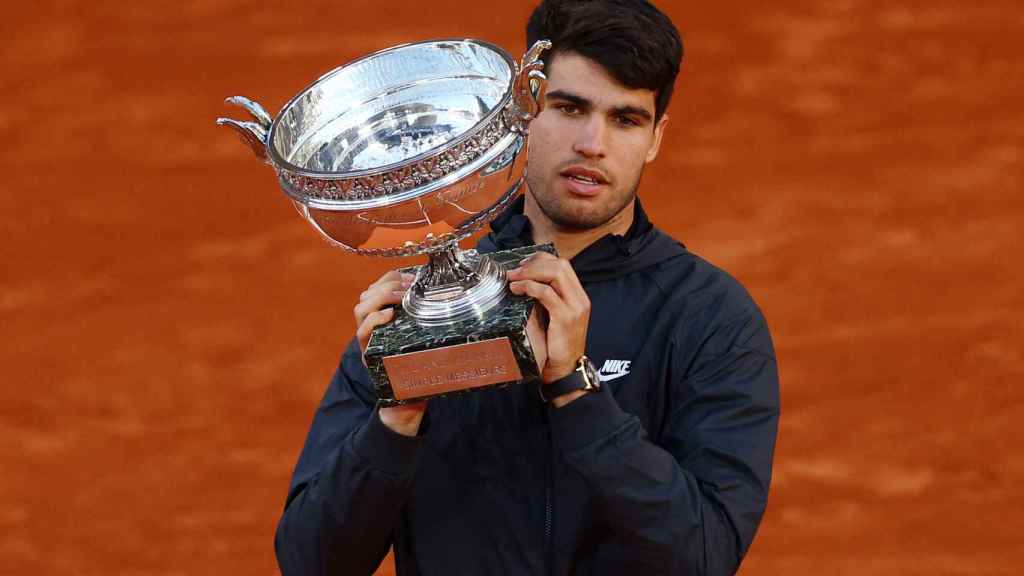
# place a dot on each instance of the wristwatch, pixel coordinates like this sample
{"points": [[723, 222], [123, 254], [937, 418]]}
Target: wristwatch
{"points": [[584, 377]]}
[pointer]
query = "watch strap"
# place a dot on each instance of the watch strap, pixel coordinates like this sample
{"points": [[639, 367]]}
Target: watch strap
{"points": [[584, 377]]}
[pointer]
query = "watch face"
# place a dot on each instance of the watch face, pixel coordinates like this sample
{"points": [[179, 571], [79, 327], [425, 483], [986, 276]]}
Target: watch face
{"points": [[590, 373]]}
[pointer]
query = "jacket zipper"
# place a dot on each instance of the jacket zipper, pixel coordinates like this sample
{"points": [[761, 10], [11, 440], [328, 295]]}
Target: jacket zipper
{"points": [[548, 511], [547, 527]]}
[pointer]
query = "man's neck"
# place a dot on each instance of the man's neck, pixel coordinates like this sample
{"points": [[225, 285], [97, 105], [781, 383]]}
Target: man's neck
{"points": [[570, 242]]}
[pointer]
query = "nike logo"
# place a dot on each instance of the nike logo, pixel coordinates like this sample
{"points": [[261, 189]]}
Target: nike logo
{"points": [[613, 369]]}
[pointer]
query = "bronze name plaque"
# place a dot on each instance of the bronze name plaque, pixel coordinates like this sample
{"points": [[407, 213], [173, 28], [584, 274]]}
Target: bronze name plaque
{"points": [[452, 368]]}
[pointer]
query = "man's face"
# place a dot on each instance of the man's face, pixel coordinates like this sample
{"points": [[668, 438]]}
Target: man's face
{"points": [[589, 146]]}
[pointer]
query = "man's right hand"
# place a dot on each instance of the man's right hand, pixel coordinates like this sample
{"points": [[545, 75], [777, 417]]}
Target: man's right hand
{"points": [[375, 307]]}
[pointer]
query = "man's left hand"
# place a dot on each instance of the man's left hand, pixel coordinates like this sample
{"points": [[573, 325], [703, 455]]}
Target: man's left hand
{"points": [[553, 283]]}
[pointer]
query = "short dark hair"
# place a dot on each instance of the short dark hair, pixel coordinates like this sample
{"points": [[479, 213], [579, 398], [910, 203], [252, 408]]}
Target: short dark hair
{"points": [[634, 41]]}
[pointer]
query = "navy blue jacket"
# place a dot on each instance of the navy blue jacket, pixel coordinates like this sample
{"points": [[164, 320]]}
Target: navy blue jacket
{"points": [[665, 471]]}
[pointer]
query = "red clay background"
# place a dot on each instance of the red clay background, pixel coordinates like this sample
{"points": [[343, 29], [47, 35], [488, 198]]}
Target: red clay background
{"points": [[169, 323]]}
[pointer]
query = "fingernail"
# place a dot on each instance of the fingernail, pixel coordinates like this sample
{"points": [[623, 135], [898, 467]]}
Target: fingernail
{"points": [[516, 270], [406, 283]]}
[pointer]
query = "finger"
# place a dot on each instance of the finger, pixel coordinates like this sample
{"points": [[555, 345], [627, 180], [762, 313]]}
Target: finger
{"points": [[560, 311], [371, 321], [385, 284], [534, 259], [372, 300], [542, 267], [542, 293], [382, 287], [553, 271], [538, 255], [391, 277], [396, 275]]}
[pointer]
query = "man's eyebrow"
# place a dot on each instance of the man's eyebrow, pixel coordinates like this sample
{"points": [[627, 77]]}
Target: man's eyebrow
{"points": [[633, 111], [570, 97]]}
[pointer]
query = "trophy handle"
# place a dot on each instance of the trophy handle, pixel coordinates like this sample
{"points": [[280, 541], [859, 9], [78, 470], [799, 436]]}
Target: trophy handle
{"points": [[254, 134], [530, 87]]}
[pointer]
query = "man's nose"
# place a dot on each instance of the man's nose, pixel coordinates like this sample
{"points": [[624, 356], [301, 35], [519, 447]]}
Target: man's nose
{"points": [[590, 139]]}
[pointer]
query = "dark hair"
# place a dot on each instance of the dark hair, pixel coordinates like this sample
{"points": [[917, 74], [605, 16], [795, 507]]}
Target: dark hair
{"points": [[634, 41]]}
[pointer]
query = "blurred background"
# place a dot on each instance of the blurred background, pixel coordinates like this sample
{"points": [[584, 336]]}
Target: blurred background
{"points": [[169, 323]]}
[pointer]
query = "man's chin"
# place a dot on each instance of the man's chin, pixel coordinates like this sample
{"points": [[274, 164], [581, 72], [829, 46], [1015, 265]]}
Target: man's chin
{"points": [[577, 220], [569, 212]]}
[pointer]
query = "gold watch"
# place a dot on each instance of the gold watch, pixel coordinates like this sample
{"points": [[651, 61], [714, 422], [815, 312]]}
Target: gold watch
{"points": [[584, 377]]}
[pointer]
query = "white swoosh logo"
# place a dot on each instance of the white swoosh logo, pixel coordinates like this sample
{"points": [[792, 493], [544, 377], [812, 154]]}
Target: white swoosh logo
{"points": [[609, 377]]}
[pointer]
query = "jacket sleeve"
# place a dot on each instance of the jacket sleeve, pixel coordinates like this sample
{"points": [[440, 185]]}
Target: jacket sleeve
{"points": [[693, 500], [349, 485]]}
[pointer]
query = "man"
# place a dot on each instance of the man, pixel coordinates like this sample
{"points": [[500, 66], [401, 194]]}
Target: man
{"points": [[662, 470]]}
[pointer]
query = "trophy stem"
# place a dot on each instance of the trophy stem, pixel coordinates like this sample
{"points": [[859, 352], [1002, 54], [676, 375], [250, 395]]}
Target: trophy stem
{"points": [[447, 266], [454, 285]]}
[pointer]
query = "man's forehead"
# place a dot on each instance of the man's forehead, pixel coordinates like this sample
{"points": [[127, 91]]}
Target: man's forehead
{"points": [[573, 73]]}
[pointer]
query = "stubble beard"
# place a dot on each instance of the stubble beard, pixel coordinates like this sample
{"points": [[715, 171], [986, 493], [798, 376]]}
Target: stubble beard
{"points": [[563, 216]]}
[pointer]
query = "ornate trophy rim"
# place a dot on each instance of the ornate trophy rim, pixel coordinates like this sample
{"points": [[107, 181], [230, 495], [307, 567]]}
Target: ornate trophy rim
{"points": [[322, 187], [379, 187]]}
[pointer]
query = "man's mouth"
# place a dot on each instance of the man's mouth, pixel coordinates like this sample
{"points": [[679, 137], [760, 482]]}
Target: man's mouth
{"points": [[584, 181], [586, 175]]}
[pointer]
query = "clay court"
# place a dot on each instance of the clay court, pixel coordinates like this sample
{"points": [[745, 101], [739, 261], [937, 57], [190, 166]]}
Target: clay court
{"points": [[169, 323]]}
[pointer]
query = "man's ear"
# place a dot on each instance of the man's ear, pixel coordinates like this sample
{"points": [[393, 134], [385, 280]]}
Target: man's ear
{"points": [[659, 131]]}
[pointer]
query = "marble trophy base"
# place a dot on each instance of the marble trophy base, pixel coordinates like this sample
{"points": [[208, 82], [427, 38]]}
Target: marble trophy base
{"points": [[409, 362]]}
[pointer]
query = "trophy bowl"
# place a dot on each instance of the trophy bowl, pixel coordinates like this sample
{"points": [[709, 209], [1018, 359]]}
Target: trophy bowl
{"points": [[407, 151]]}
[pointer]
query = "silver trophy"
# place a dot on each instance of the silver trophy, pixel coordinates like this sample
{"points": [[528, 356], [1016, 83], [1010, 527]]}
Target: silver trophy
{"points": [[408, 151]]}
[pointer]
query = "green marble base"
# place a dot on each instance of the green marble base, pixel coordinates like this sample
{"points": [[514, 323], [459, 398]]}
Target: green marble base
{"points": [[403, 336]]}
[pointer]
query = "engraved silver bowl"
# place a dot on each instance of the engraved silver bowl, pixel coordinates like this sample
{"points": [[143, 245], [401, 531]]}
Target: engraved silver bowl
{"points": [[407, 151]]}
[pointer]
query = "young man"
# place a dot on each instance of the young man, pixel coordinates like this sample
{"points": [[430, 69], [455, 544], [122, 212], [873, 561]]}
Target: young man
{"points": [[664, 469]]}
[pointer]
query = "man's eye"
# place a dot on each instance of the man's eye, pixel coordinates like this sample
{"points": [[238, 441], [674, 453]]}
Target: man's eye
{"points": [[627, 121], [570, 109]]}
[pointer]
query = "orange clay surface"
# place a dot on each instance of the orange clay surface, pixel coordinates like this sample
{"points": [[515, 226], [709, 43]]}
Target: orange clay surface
{"points": [[169, 323]]}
